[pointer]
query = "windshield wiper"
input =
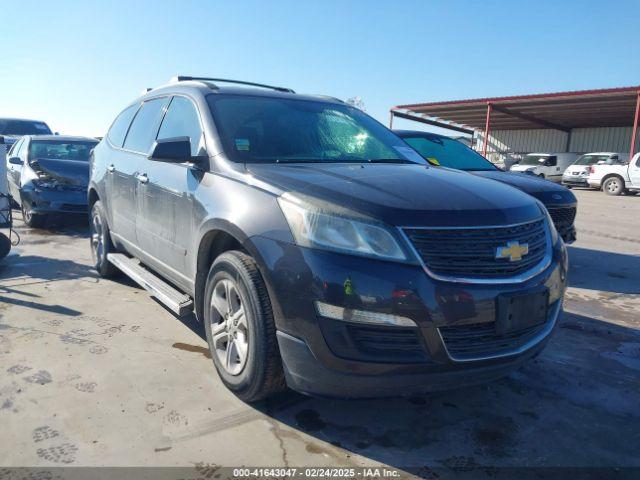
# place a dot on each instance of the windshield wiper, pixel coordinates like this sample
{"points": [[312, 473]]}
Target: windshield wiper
{"points": [[388, 160]]}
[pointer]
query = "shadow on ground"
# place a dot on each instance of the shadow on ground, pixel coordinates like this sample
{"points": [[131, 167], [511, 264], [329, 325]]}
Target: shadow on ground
{"points": [[18, 271], [575, 405], [71, 225], [604, 271]]}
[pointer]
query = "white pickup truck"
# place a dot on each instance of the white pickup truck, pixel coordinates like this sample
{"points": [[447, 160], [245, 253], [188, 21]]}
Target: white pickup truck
{"points": [[616, 179]]}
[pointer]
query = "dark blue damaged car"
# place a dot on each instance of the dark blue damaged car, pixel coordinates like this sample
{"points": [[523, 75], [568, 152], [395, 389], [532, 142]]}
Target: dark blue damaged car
{"points": [[49, 174], [318, 249], [448, 152]]}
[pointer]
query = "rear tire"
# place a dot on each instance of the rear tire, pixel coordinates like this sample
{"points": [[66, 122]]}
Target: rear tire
{"points": [[613, 186], [101, 244], [31, 219], [240, 328], [541, 175]]}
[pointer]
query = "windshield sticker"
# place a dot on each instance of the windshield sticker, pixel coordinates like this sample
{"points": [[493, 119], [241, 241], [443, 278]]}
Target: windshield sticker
{"points": [[433, 161], [242, 144], [410, 154]]}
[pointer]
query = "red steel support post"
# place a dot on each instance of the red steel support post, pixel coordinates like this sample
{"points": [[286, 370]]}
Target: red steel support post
{"points": [[487, 129], [634, 130]]}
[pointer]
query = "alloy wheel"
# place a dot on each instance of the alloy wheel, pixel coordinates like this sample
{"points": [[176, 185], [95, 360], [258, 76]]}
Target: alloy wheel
{"points": [[229, 327], [97, 241]]}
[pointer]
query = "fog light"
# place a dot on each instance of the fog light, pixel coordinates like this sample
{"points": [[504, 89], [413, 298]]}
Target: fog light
{"points": [[362, 316]]}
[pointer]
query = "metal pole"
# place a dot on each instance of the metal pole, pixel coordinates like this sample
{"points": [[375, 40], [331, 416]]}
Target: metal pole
{"points": [[634, 131], [390, 119], [487, 129]]}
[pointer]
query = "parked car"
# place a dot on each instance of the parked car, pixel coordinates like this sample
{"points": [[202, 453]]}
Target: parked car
{"points": [[549, 166], [448, 152], [576, 174], [317, 247], [49, 174], [5, 205], [616, 179], [11, 129]]}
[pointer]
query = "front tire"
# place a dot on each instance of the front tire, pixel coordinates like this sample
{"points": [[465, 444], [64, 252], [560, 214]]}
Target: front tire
{"points": [[101, 244], [613, 186], [31, 219], [240, 328]]}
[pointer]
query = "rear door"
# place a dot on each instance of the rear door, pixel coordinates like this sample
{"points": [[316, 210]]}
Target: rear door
{"points": [[165, 206], [634, 172], [125, 168]]}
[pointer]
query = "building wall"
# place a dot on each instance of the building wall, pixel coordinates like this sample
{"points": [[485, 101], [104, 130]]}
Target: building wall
{"points": [[508, 145]]}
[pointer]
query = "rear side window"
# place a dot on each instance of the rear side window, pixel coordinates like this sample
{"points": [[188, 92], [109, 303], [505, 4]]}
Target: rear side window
{"points": [[118, 130], [182, 120], [145, 126]]}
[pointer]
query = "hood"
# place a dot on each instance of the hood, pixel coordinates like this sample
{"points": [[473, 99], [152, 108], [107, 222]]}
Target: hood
{"points": [[545, 191], [576, 169], [523, 168], [403, 194], [69, 172]]}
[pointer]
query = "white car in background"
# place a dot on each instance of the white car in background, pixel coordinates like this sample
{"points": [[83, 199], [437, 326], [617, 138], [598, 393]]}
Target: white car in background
{"points": [[545, 165], [576, 174], [616, 179]]}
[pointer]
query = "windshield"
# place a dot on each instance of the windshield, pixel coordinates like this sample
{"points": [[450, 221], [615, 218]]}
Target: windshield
{"points": [[534, 159], [61, 150], [258, 129], [591, 159], [448, 152], [23, 127]]}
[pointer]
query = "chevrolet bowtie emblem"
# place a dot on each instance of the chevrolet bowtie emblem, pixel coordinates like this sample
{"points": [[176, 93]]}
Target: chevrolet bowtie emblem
{"points": [[514, 251]]}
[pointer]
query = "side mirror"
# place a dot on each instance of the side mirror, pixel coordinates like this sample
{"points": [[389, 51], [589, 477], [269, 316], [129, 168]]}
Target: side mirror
{"points": [[173, 150], [15, 161]]}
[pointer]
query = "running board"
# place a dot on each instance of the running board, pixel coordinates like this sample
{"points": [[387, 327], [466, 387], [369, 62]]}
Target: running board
{"points": [[176, 301]]}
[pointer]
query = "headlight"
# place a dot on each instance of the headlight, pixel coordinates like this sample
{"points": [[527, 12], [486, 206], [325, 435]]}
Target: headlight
{"points": [[322, 225], [550, 224]]}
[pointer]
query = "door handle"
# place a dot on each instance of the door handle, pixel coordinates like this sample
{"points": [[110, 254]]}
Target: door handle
{"points": [[111, 168], [142, 178]]}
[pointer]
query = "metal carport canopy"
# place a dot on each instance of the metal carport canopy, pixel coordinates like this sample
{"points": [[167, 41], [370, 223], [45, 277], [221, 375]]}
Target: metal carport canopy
{"points": [[609, 107]]}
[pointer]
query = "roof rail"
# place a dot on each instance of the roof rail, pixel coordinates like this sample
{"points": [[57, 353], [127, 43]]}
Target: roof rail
{"points": [[182, 78]]}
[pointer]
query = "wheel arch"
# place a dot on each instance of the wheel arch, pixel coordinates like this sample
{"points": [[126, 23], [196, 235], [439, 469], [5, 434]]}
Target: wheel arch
{"points": [[609, 176], [217, 237], [92, 197]]}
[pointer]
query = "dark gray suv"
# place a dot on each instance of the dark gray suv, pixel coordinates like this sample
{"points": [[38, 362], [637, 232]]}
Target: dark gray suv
{"points": [[319, 250]]}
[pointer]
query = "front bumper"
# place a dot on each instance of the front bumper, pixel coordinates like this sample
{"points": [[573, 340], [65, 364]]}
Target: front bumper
{"points": [[40, 201], [328, 357], [575, 181]]}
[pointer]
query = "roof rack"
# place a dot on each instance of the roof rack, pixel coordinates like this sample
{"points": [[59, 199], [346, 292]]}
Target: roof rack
{"points": [[182, 78]]}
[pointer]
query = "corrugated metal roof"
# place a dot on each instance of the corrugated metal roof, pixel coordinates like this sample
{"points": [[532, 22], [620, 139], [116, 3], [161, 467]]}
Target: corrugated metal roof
{"points": [[610, 107]]}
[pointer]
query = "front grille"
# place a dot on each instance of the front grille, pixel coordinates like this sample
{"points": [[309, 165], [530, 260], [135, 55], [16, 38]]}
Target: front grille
{"points": [[468, 342], [72, 207], [562, 217], [471, 252], [64, 187]]}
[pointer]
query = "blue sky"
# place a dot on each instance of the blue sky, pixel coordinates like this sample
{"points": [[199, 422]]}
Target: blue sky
{"points": [[77, 64]]}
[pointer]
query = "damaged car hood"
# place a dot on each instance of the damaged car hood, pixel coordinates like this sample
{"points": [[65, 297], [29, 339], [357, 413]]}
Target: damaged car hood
{"points": [[66, 172]]}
